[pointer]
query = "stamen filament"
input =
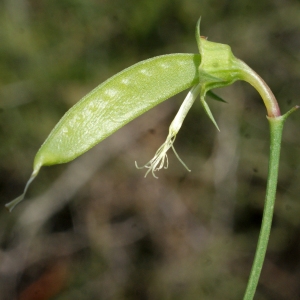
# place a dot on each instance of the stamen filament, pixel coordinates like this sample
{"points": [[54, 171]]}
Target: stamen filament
{"points": [[160, 159]]}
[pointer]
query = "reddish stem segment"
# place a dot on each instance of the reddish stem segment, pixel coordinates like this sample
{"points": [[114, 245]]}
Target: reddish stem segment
{"points": [[260, 85]]}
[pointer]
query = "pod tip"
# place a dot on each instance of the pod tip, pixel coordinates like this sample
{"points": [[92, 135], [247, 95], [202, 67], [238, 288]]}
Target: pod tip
{"points": [[11, 205]]}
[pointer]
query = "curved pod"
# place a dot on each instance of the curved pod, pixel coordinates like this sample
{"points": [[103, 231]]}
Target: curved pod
{"points": [[113, 104], [116, 102]]}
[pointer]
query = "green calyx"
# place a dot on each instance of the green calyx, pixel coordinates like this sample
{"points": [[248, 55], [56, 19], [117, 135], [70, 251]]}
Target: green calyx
{"points": [[218, 64], [220, 68]]}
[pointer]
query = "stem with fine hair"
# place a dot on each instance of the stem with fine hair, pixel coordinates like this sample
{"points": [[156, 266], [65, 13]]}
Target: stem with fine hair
{"points": [[276, 127]]}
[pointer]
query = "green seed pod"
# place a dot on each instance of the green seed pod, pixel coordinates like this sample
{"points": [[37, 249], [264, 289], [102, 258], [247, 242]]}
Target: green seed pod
{"points": [[112, 104]]}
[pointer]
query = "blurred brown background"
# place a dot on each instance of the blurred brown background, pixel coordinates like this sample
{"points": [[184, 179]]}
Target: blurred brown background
{"points": [[96, 228]]}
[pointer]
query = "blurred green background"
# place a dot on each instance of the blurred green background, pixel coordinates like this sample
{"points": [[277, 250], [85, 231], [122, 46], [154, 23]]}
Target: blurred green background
{"points": [[96, 228]]}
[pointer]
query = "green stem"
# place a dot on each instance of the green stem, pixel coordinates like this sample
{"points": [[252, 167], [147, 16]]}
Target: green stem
{"points": [[249, 75], [276, 127]]}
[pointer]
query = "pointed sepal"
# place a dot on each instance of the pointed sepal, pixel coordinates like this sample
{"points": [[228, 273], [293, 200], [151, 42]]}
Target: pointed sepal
{"points": [[215, 97], [208, 111], [198, 37]]}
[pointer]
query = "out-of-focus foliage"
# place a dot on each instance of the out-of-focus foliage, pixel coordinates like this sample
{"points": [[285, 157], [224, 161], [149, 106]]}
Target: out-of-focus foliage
{"points": [[95, 228]]}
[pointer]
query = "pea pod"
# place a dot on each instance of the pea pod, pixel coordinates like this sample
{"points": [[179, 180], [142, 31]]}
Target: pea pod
{"points": [[111, 105]]}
